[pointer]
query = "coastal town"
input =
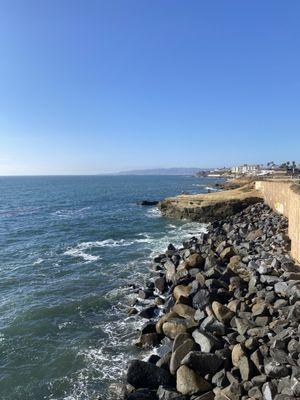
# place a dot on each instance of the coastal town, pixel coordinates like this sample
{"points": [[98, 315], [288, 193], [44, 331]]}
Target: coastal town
{"points": [[289, 169]]}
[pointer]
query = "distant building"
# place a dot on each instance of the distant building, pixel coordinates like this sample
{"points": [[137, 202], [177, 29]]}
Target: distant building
{"points": [[248, 169]]}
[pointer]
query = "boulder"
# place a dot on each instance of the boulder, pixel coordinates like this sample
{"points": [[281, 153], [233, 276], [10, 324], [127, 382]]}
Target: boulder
{"points": [[148, 340], [141, 374], [163, 319], [188, 382], [195, 261], [181, 291], [184, 311], [227, 253], [160, 284], [204, 363], [164, 393], [207, 341], [245, 367], [148, 312], [237, 353], [201, 299], [222, 313], [180, 353], [180, 339], [174, 326]]}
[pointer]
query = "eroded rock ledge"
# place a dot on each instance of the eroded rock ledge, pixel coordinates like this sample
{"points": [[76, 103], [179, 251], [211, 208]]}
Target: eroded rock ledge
{"points": [[211, 206]]}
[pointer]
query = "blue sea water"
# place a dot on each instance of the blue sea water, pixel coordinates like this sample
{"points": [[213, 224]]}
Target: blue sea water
{"points": [[69, 247]]}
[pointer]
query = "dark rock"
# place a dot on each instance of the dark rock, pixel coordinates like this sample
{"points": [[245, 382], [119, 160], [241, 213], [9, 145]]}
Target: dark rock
{"points": [[164, 393], [160, 284], [153, 359], [148, 203], [142, 394], [141, 374], [201, 299], [204, 363], [220, 379], [148, 312], [149, 340]]}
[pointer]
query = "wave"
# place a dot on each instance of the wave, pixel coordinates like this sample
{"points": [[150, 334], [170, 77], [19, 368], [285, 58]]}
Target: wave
{"points": [[77, 253], [38, 261], [211, 188], [153, 213], [69, 213]]}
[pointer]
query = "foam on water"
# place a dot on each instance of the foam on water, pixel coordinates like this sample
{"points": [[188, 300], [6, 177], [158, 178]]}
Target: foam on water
{"points": [[70, 213], [211, 188], [153, 213], [78, 253]]}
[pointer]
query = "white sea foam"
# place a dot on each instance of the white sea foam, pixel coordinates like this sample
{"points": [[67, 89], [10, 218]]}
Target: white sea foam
{"points": [[69, 213], [76, 252], [38, 261], [211, 188], [153, 213]]}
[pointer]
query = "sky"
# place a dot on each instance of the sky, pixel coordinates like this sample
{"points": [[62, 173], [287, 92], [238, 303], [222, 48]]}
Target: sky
{"points": [[96, 86]]}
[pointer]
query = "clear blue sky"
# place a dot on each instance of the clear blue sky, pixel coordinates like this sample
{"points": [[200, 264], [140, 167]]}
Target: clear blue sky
{"points": [[90, 86]]}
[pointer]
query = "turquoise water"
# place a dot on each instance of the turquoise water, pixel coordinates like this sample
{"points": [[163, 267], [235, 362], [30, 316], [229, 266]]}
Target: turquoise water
{"points": [[69, 246]]}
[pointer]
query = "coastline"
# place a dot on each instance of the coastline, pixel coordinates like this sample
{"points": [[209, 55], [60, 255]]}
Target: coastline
{"points": [[215, 311]]}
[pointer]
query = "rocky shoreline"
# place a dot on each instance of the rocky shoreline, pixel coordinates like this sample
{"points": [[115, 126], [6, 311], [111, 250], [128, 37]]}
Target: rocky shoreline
{"points": [[210, 207], [223, 319]]}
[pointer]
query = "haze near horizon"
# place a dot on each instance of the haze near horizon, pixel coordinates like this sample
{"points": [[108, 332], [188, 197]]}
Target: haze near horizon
{"points": [[95, 87]]}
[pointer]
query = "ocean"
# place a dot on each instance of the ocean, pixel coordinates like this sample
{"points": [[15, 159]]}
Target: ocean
{"points": [[70, 247]]}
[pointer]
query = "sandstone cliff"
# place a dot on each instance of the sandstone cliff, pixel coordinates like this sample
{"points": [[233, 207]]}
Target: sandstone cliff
{"points": [[211, 206]]}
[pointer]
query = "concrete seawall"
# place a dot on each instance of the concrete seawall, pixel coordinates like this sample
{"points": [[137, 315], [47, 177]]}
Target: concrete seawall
{"points": [[284, 197]]}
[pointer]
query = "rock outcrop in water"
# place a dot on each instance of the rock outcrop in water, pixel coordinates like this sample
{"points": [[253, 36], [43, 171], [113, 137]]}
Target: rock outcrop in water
{"points": [[229, 313], [212, 206]]}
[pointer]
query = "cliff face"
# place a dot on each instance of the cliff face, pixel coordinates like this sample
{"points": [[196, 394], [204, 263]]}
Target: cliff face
{"points": [[212, 206]]}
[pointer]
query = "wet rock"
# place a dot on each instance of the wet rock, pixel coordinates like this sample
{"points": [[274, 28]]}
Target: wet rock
{"points": [[160, 284], [148, 312], [149, 340], [141, 374]]}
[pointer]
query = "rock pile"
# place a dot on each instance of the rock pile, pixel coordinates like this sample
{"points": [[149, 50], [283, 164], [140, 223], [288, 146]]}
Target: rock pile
{"points": [[224, 317]]}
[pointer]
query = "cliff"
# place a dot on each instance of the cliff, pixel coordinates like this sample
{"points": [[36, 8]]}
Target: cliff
{"points": [[211, 206]]}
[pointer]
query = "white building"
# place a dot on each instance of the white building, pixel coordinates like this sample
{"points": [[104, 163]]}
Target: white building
{"points": [[250, 169]]}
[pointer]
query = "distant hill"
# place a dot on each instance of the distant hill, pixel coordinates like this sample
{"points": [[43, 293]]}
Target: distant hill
{"points": [[162, 171]]}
